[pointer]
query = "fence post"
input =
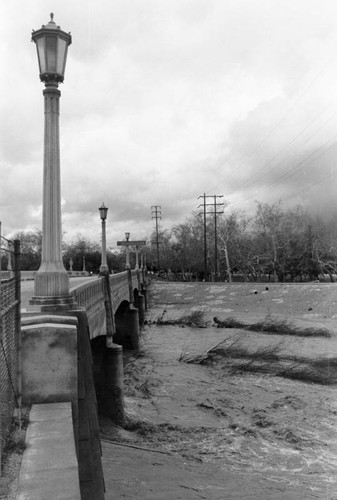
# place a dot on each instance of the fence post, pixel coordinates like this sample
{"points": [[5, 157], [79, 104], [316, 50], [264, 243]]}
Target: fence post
{"points": [[17, 277], [0, 262], [1, 450]]}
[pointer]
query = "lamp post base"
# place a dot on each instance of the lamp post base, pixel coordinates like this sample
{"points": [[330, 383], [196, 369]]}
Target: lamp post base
{"points": [[58, 302], [52, 290], [52, 283]]}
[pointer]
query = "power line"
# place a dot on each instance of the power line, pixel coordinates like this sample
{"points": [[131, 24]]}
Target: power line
{"points": [[287, 113], [263, 170], [292, 170], [311, 185]]}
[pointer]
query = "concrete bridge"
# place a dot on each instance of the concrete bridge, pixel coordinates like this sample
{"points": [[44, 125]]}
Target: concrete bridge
{"points": [[75, 357], [127, 294]]}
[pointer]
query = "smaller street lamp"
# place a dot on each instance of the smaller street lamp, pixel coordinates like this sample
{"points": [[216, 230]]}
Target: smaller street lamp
{"points": [[143, 262], [127, 253], [137, 258], [103, 212]]}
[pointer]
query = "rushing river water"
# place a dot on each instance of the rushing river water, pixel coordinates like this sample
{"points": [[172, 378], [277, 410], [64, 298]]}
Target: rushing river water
{"points": [[274, 433], [230, 425]]}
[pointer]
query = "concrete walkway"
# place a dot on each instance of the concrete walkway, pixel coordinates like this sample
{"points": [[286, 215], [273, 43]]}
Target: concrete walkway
{"points": [[49, 468]]}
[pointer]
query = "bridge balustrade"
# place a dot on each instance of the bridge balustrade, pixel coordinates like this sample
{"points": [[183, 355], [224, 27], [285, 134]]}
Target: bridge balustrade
{"points": [[89, 294], [119, 279]]}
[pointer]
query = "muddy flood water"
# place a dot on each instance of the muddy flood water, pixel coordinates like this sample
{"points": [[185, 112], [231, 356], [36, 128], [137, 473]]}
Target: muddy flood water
{"points": [[243, 406]]}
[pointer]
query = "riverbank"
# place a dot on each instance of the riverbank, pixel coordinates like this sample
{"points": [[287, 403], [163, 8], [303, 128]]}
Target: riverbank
{"points": [[199, 429]]}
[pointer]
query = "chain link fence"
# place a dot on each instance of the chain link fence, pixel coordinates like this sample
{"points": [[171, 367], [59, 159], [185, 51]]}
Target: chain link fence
{"points": [[10, 306]]}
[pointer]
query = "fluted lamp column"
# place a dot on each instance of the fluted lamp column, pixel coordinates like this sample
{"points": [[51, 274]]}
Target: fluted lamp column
{"points": [[51, 281]]}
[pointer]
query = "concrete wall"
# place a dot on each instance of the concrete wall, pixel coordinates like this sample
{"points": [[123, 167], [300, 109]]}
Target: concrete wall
{"points": [[49, 354], [57, 367]]}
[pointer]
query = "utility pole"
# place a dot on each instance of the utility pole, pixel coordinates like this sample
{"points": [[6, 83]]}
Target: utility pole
{"points": [[156, 214], [205, 236], [216, 234], [216, 212], [229, 271]]}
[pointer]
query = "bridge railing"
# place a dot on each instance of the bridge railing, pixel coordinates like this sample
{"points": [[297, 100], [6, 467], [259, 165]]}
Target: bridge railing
{"points": [[86, 294], [118, 279], [123, 276], [93, 294], [89, 294]]}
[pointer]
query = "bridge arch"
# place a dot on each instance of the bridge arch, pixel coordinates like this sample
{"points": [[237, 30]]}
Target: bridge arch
{"points": [[127, 326], [122, 309]]}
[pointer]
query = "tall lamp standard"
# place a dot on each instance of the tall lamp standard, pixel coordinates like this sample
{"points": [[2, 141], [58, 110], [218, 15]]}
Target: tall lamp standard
{"points": [[103, 212], [52, 281], [127, 252]]}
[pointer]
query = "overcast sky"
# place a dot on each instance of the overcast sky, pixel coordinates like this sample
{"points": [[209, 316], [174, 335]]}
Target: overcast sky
{"points": [[164, 100]]}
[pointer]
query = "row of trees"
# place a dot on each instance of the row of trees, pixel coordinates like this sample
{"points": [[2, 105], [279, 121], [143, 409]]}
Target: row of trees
{"points": [[273, 244], [81, 252]]}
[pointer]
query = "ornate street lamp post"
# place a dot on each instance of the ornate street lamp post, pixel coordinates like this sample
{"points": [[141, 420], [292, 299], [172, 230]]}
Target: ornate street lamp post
{"points": [[103, 212], [127, 251], [52, 281]]}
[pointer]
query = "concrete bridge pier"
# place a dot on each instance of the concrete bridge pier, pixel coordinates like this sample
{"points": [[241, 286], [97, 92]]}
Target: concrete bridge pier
{"points": [[139, 302], [127, 326], [108, 376], [144, 293]]}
